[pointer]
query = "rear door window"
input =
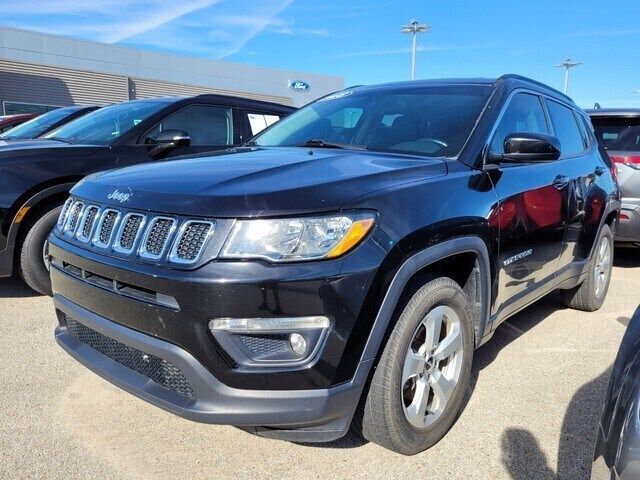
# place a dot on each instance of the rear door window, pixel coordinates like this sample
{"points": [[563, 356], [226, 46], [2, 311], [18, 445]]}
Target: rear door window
{"points": [[205, 124], [565, 128]]}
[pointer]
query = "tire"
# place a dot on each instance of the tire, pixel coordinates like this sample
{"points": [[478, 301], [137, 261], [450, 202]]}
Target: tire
{"points": [[590, 294], [32, 265], [391, 413]]}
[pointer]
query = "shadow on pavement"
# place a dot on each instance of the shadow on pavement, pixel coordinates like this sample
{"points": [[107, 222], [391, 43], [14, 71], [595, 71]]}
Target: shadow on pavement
{"points": [[511, 330], [523, 457], [16, 288], [626, 257]]}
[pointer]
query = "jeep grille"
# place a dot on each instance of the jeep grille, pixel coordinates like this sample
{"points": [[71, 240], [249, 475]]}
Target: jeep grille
{"points": [[147, 237]]}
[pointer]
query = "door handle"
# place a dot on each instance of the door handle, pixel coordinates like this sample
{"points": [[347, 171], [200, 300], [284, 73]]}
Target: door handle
{"points": [[561, 181], [599, 170]]}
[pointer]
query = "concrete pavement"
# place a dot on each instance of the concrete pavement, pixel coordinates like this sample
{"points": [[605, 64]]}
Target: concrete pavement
{"points": [[531, 413]]}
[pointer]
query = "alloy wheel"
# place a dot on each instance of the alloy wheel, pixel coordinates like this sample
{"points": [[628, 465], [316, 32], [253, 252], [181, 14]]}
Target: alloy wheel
{"points": [[603, 266], [432, 366]]}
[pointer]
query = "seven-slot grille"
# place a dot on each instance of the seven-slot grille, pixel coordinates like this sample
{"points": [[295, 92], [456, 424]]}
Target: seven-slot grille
{"points": [[146, 236]]}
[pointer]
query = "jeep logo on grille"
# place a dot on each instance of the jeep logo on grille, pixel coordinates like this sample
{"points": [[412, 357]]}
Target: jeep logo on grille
{"points": [[119, 196]]}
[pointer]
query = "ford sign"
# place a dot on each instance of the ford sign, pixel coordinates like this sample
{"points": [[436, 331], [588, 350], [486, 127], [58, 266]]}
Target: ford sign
{"points": [[299, 85]]}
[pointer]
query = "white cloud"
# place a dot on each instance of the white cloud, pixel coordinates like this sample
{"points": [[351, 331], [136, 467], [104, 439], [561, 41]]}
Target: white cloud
{"points": [[212, 28], [603, 33]]}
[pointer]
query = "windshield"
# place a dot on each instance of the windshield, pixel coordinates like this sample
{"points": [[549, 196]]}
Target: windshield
{"points": [[34, 127], [431, 121], [103, 126], [621, 134]]}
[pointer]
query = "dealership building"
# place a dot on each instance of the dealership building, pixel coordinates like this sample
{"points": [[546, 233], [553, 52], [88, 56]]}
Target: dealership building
{"points": [[39, 72]]}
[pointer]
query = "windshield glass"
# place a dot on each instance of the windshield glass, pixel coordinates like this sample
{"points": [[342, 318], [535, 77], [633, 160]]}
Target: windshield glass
{"points": [[431, 121], [103, 126], [34, 127], [619, 134]]}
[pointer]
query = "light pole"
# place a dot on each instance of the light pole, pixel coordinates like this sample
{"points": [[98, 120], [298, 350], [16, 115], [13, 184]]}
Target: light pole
{"points": [[567, 65], [414, 27]]}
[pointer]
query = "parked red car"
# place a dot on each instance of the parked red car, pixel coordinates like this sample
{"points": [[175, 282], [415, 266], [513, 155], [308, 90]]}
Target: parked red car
{"points": [[7, 122]]}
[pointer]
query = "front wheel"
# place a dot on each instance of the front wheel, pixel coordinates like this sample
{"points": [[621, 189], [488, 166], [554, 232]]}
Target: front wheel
{"points": [[590, 294], [419, 383], [33, 251]]}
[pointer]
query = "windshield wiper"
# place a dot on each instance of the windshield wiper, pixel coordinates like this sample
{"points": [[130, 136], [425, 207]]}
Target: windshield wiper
{"points": [[249, 143], [59, 139], [318, 143]]}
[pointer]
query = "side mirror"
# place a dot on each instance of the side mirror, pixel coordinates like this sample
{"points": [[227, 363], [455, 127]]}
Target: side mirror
{"points": [[168, 140], [525, 147]]}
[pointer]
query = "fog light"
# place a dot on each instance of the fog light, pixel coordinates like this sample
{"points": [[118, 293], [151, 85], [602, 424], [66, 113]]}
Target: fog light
{"points": [[298, 343], [271, 342]]}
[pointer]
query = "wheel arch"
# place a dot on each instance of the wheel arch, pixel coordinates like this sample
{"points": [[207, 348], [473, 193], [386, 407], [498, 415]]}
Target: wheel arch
{"points": [[33, 203], [431, 260]]}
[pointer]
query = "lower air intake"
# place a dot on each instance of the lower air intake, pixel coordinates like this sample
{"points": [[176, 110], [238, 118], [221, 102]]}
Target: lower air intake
{"points": [[160, 371]]}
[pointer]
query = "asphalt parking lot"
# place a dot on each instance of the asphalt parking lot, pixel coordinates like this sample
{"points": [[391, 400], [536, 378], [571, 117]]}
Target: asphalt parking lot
{"points": [[532, 409]]}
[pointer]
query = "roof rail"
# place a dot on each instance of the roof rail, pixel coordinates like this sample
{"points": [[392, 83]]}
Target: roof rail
{"points": [[536, 82]]}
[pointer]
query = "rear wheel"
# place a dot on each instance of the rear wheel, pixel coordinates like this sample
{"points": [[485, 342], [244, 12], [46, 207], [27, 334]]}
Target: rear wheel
{"points": [[590, 294], [418, 386], [34, 250]]}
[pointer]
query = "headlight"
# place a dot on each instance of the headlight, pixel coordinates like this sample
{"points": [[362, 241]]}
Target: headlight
{"points": [[297, 239]]}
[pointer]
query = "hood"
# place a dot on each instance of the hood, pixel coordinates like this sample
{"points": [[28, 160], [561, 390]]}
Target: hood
{"points": [[18, 149], [243, 183]]}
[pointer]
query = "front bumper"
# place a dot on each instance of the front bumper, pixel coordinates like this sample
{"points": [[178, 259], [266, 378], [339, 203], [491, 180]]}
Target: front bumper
{"points": [[313, 402], [629, 227], [314, 414]]}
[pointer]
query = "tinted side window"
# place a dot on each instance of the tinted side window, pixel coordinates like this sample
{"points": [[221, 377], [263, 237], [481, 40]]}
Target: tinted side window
{"points": [[523, 114], [205, 124], [586, 139], [565, 128]]}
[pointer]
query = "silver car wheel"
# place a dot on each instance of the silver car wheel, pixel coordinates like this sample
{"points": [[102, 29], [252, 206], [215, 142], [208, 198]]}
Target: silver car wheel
{"points": [[45, 254], [432, 366], [603, 266]]}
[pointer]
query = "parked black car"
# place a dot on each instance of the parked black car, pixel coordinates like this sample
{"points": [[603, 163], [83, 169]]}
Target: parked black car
{"points": [[619, 132], [344, 265], [36, 175], [43, 124], [617, 453]]}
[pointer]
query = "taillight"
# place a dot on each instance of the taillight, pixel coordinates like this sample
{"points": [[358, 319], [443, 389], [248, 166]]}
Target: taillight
{"points": [[630, 160]]}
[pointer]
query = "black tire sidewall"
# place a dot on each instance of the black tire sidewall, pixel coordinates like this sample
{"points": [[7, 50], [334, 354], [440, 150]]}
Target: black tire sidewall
{"points": [[441, 291], [32, 266]]}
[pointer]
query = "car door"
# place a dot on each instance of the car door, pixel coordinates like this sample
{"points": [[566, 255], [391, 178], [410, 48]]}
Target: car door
{"points": [[209, 127], [531, 214]]}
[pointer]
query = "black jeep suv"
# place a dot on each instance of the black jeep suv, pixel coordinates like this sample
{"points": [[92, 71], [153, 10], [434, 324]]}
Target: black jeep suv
{"points": [[342, 267], [36, 175]]}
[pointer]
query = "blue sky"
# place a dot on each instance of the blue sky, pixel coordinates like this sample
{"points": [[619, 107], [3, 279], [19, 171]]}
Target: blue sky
{"points": [[361, 41]]}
